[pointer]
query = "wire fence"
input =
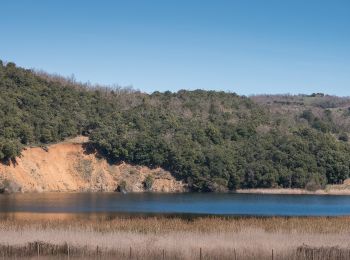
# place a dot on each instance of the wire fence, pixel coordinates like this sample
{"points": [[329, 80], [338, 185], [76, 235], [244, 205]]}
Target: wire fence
{"points": [[41, 250]]}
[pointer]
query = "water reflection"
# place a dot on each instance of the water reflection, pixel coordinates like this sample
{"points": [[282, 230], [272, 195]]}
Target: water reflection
{"points": [[91, 205]]}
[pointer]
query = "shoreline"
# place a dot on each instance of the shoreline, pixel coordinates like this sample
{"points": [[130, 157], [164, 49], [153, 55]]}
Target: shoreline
{"points": [[272, 191], [284, 191]]}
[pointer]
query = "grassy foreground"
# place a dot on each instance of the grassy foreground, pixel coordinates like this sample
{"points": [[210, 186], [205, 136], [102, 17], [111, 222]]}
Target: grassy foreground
{"points": [[57, 236]]}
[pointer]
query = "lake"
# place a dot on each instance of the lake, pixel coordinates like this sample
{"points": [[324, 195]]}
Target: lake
{"points": [[180, 203]]}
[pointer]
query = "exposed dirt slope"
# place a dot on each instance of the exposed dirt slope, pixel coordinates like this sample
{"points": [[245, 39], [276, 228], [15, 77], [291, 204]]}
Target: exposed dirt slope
{"points": [[67, 167]]}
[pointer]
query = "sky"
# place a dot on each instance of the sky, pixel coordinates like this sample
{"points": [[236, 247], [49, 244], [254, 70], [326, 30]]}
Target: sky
{"points": [[243, 46]]}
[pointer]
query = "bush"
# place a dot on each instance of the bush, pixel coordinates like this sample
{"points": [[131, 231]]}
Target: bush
{"points": [[8, 186], [122, 187], [313, 185], [148, 182], [343, 137]]}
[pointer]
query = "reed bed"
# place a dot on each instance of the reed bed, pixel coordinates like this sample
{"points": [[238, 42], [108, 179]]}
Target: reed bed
{"points": [[176, 238]]}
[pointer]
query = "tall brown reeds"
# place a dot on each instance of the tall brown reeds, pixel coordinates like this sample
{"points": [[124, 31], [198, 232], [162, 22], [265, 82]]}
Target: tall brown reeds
{"points": [[175, 238]]}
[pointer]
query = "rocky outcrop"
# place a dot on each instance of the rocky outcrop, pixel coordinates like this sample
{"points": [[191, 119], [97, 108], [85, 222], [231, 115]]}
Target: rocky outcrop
{"points": [[67, 167]]}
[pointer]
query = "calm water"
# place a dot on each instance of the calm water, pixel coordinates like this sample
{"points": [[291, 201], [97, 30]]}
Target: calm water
{"points": [[188, 203]]}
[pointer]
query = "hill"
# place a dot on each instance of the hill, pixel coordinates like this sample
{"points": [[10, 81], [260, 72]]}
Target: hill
{"points": [[67, 167], [214, 141]]}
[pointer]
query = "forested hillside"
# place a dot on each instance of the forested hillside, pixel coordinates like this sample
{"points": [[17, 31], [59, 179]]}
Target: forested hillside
{"points": [[215, 141]]}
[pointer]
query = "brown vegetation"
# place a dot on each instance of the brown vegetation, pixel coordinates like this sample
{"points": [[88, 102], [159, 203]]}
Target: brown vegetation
{"points": [[334, 189], [176, 238]]}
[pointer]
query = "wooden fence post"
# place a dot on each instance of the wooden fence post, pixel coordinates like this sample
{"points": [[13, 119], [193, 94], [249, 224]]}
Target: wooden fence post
{"points": [[272, 255], [234, 252], [38, 247], [200, 253], [130, 253], [163, 254]]}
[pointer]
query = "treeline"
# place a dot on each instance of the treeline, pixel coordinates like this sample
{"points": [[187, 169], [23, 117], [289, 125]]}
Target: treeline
{"points": [[215, 141]]}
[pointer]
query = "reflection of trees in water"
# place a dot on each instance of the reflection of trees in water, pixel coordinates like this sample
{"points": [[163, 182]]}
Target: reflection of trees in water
{"points": [[8, 204]]}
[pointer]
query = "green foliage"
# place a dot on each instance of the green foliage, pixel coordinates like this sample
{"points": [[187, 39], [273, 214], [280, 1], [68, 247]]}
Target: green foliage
{"points": [[215, 141], [122, 187], [148, 182], [343, 137], [9, 149]]}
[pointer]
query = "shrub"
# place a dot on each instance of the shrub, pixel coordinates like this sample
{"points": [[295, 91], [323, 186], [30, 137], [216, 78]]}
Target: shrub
{"points": [[343, 137], [148, 183], [122, 187]]}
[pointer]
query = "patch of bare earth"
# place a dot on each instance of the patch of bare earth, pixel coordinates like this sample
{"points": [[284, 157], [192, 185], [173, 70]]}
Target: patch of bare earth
{"points": [[66, 167]]}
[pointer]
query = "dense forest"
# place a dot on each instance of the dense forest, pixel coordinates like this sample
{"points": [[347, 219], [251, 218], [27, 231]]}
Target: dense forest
{"points": [[215, 141]]}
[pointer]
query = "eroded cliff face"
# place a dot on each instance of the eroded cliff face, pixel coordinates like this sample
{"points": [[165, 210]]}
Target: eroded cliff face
{"points": [[66, 167]]}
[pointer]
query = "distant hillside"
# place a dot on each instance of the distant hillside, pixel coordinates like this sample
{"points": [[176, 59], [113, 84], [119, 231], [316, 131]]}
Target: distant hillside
{"points": [[322, 112], [214, 141]]}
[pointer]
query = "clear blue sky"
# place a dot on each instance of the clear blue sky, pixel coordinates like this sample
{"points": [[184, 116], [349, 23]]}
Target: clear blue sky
{"points": [[247, 46]]}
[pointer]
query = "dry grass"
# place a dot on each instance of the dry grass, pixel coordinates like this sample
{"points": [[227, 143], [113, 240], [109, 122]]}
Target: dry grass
{"points": [[177, 238]]}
